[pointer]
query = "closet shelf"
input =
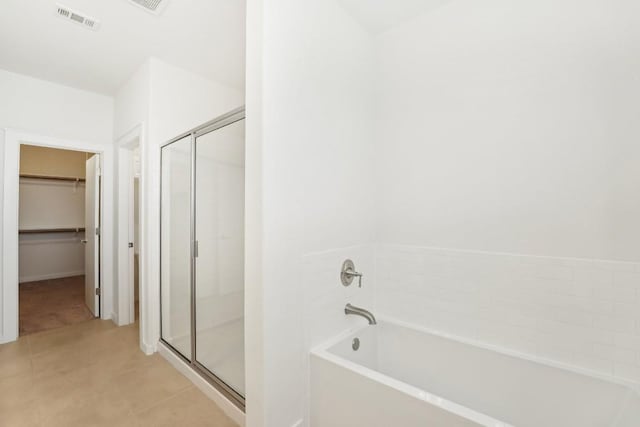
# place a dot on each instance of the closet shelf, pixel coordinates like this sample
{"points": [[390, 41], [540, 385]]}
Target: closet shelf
{"points": [[51, 230], [54, 178]]}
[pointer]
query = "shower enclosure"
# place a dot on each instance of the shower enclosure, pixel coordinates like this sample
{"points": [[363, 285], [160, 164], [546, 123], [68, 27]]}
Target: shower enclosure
{"points": [[202, 251]]}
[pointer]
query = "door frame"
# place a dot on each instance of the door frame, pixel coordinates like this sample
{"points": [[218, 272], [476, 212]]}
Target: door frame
{"points": [[10, 240], [231, 395], [128, 142], [94, 231]]}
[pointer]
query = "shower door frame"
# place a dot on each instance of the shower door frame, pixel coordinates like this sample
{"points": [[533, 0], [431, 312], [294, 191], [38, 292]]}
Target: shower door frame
{"points": [[211, 126]]}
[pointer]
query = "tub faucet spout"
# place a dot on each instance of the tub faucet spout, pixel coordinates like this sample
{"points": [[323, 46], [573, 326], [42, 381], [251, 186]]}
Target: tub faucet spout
{"points": [[352, 309]]}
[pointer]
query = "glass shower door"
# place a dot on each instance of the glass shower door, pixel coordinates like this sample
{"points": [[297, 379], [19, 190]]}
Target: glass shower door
{"points": [[219, 265], [175, 241]]}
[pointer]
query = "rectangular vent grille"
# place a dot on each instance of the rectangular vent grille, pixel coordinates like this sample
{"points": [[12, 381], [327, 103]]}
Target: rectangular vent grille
{"points": [[153, 6], [77, 17]]}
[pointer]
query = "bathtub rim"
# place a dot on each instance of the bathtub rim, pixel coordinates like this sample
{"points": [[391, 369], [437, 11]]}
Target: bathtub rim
{"points": [[323, 351]]}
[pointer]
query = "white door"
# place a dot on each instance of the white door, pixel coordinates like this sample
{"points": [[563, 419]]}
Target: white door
{"points": [[92, 239]]}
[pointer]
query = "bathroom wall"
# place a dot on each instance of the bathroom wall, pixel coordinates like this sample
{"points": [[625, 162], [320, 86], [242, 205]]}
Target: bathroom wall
{"points": [[179, 101], [579, 312], [310, 109], [56, 111], [131, 102], [166, 100], [497, 135], [131, 109], [508, 136], [35, 106]]}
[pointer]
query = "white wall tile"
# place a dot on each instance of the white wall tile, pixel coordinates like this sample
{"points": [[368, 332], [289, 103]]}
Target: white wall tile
{"points": [[576, 311]]}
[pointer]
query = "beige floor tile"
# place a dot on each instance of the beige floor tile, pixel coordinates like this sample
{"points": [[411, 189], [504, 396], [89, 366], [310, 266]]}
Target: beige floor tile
{"points": [[98, 409], [111, 341], [151, 383], [20, 415], [57, 394], [94, 374], [63, 359], [19, 348], [92, 326], [16, 390], [188, 408], [53, 339], [14, 364]]}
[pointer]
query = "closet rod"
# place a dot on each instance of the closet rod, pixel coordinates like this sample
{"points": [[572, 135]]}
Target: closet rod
{"points": [[55, 178], [51, 230]]}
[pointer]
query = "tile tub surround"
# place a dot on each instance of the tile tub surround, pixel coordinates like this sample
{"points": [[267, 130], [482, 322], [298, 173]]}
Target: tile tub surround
{"points": [[579, 312], [324, 298]]}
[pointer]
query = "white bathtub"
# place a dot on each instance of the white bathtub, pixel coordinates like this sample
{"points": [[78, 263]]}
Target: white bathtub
{"points": [[405, 377]]}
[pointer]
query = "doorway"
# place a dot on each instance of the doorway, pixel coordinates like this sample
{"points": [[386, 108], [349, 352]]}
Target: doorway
{"points": [[13, 140], [59, 238], [130, 202]]}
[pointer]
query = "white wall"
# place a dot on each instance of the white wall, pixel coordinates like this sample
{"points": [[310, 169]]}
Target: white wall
{"points": [[166, 100], [179, 101], [510, 131], [131, 102], [46, 108], [56, 114], [497, 127], [309, 136], [46, 256], [579, 312], [512, 128], [50, 255], [255, 392], [131, 118]]}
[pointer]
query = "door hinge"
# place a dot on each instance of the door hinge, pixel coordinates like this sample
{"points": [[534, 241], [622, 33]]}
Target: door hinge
{"points": [[97, 231], [98, 292]]}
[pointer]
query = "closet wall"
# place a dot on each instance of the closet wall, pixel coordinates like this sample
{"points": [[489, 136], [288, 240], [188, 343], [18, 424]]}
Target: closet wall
{"points": [[51, 204]]}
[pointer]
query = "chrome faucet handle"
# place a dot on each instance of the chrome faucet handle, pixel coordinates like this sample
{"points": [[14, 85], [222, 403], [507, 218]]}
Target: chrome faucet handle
{"points": [[348, 272], [355, 274]]}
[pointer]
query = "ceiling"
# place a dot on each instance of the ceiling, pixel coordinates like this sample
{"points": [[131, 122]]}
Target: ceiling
{"points": [[380, 15], [204, 36]]}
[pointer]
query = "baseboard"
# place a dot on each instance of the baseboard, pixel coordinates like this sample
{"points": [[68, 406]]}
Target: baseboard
{"points": [[227, 407], [6, 340], [148, 349], [51, 276]]}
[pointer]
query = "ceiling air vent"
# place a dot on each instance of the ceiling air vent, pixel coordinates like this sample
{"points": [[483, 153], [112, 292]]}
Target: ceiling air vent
{"points": [[77, 17], [153, 6]]}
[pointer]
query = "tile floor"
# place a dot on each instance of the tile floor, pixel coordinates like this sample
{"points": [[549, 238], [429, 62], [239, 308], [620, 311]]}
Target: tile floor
{"points": [[50, 304], [93, 374]]}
